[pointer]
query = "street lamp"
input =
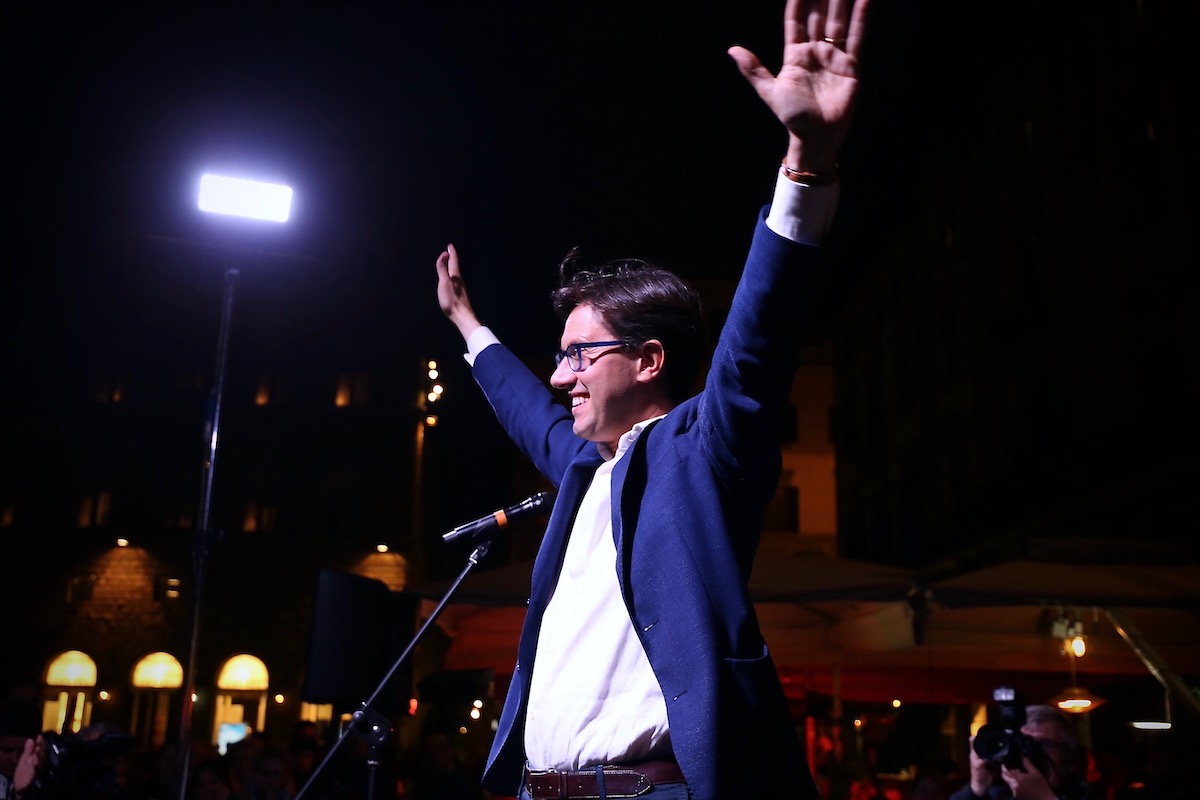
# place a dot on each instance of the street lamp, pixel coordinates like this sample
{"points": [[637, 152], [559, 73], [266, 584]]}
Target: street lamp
{"points": [[237, 197]]}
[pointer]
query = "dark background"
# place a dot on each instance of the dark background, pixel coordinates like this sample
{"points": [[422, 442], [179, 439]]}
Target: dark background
{"points": [[515, 130], [520, 130], [1035, 375]]}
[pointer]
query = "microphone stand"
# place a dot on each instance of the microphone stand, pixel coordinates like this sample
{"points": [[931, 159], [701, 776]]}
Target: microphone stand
{"points": [[369, 723]]}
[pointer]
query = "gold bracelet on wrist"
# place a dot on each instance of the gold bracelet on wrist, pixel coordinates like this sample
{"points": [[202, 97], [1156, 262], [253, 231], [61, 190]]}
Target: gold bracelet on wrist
{"points": [[809, 178]]}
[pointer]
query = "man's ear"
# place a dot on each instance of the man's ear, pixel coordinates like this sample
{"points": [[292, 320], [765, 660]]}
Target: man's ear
{"points": [[651, 357]]}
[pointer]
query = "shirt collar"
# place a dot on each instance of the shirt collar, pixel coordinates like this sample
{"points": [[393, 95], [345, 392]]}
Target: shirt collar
{"points": [[628, 438]]}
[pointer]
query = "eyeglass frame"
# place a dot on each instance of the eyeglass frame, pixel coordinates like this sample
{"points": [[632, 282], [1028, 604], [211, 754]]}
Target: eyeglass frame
{"points": [[578, 347]]}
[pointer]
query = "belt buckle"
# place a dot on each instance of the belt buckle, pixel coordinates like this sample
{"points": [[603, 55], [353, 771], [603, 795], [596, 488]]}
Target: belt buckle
{"points": [[546, 783]]}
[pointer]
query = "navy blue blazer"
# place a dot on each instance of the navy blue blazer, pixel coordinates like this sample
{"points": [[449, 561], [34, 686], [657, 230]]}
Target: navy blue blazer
{"points": [[688, 502]]}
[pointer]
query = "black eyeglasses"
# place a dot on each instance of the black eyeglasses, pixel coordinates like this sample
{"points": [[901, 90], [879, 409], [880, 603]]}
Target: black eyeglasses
{"points": [[574, 353]]}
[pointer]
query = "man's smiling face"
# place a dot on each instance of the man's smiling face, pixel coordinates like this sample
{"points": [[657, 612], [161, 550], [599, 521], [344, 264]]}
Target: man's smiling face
{"points": [[606, 397]]}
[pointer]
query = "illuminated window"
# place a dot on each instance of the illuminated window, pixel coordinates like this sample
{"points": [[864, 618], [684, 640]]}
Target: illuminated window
{"points": [[341, 398], [351, 390], [71, 668], [167, 587], [241, 699], [158, 671], [270, 389], [316, 712], [72, 676], [94, 510], [263, 395], [111, 390], [8, 513], [243, 673], [259, 517], [154, 678]]}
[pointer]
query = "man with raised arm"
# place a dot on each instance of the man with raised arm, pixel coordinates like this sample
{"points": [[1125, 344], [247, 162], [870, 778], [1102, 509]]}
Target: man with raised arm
{"points": [[641, 669]]}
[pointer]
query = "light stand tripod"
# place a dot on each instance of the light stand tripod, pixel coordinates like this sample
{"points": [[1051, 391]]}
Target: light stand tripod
{"points": [[248, 199], [205, 537]]}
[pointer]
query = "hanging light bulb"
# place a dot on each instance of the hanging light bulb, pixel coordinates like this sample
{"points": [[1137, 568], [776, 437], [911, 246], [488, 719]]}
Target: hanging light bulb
{"points": [[1075, 699], [1076, 641]]}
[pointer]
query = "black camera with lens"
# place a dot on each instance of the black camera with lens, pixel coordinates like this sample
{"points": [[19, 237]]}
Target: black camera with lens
{"points": [[1001, 742], [82, 767]]}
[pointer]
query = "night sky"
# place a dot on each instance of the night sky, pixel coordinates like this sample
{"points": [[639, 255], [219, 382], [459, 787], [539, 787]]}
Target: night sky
{"points": [[516, 130]]}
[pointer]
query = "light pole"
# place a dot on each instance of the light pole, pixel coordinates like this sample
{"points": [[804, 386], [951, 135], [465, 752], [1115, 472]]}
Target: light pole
{"points": [[253, 200]]}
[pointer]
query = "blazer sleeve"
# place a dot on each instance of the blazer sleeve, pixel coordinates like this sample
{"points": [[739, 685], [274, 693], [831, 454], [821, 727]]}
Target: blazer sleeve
{"points": [[740, 413], [536, 422]]}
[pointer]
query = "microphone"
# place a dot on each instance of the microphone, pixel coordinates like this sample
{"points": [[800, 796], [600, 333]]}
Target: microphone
{"points": [[533, 506]]}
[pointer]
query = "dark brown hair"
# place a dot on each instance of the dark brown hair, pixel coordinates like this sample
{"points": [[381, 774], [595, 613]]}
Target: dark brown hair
{"points": [[640, 300]]}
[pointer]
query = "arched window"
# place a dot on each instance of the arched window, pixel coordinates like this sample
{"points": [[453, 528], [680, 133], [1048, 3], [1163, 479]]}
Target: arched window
{"points": [[155, 678], [241, 705], [243, 672], [158, 671], [72, 676]]}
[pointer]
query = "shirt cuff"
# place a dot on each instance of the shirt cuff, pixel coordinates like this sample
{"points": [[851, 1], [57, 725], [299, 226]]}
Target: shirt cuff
{"points": [[479, 339], [800, 212]]}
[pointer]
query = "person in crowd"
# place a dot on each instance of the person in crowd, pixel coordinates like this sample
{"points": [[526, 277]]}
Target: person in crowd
{"points": [[97, 763], [304, 755], [1061, 776], [927, 786], [242, 756], [160, 768], [641, 668], [272, 776], [440, 774], [1161, 772], [211, 780], [22, 748]]}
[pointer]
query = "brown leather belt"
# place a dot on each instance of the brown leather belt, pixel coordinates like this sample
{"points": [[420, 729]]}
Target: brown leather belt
{"points": [[620, 780]]}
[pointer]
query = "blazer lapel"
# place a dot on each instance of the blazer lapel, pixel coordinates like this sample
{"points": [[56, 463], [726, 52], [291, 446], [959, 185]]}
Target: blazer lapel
{"points": [[628, 488], [554, 543]]}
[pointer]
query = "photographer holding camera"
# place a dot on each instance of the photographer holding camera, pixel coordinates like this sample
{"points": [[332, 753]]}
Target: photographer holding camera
{"points": [[1039, 759]]}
